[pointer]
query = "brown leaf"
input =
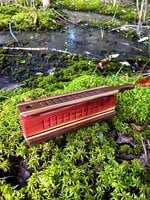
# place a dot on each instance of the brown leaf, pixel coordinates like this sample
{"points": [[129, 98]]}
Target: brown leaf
{"points": [[138, 128], [102, 64], [144, 82]]}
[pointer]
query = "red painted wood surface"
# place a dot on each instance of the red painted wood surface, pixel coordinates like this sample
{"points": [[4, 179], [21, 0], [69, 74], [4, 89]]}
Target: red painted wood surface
{"points": [[65, 128], [35, 124], [53, 116]]}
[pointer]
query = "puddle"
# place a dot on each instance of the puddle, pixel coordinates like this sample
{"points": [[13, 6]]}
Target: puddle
{"points": [[78, 39]]}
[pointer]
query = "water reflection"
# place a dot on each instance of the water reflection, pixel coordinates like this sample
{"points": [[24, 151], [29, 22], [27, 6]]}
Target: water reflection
{"points": [[78, 39]]}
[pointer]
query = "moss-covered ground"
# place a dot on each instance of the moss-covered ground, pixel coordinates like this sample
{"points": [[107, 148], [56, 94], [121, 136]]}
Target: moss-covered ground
{"points": [[85, 164], [28, 18], [82, 164], [25, 17], [120, 11]]}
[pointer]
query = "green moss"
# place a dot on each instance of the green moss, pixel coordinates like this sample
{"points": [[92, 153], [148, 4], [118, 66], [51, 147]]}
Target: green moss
{"points": [[25, 18], [69, 167], [120, 11], [137, 112], [10, 9], [4, 21], [106, 24], [46, 19], [81, 4]]}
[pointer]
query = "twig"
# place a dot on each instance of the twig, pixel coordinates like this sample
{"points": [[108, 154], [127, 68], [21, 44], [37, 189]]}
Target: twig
{"points": [[133, 27], [144, 66], [148, 143], [145, 151], [94, 70], [62, 51], [26, 48], [38, 49], [6, 177], [59, 14], [127, 44], [11, 55], [64, 19], [119, 70], [10, 29]]}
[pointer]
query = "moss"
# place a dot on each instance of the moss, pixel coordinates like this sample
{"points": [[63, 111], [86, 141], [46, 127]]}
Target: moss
{"points": [[81, 5], [10, 9], [68, 166], [106, 24], [26, 18], [4, 21], [119, 11], [141, 111], [46, 19]]}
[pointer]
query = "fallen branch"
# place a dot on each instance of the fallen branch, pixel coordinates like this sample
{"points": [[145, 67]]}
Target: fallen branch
{"points": [[133, 27], [10, 29], [38, 49], [26, 48], [145, 151]]}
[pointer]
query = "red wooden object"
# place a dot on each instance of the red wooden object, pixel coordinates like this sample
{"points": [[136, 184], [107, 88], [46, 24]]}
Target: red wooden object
{"points": [[53, 116]]}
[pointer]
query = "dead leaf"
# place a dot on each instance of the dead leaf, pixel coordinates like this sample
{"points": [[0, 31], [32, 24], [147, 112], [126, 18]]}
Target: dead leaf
{"points": [[123, 139], [138, 128], [128, 157], [102, 64], [144, 82]]}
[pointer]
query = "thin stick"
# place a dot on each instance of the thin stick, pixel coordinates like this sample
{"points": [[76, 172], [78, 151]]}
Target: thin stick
{"points": [[10, 29], [11, 55], [119, 70], [145, 10], [6, 177], [137, 7], [26, 48], [127, 44], [64, 19], [38, 49], [148, 143], [145, 151], [131, 26], [144, 66]]}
